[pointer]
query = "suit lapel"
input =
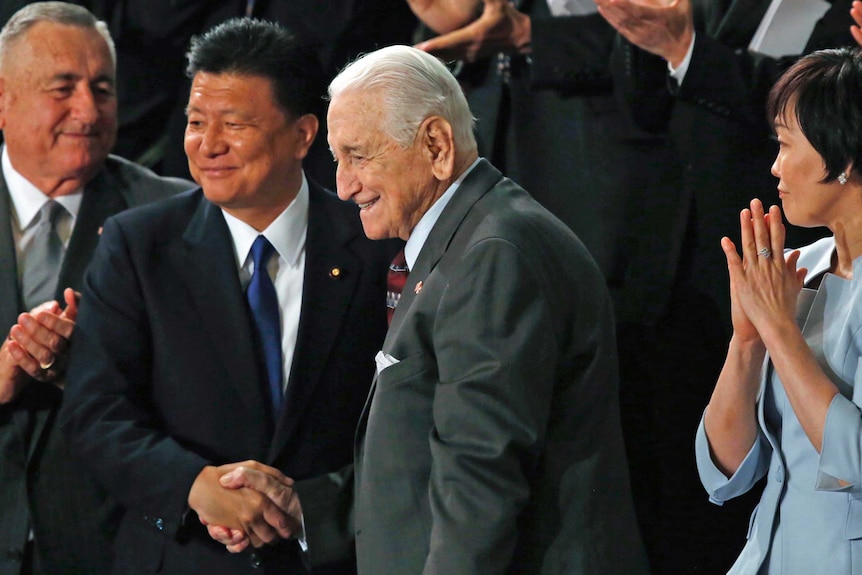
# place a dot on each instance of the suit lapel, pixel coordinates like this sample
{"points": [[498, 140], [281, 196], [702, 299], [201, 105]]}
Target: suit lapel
{"points": [[10, 301], [331, 273], [483, 177], [102, 199], [205, 262]]}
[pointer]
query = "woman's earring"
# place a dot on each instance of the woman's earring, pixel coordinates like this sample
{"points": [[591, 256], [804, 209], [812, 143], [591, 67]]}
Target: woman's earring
{"points": [[842, 178]]}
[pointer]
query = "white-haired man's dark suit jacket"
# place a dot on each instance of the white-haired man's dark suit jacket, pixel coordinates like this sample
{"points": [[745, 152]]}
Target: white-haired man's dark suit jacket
{"points": [[41, 486], [493, 446]]}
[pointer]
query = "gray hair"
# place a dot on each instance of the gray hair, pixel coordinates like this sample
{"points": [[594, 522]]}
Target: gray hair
{"points": [[57, 13], [415, 85]]}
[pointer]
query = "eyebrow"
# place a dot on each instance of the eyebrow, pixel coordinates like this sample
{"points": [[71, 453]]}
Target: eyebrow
{"points": [[69, 77]]}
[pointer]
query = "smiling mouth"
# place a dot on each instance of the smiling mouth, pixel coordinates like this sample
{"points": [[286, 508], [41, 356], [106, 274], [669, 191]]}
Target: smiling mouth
{"points": [[364, 205]]}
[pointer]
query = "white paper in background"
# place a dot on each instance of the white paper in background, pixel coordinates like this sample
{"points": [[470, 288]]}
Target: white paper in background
{"points": [[786, 27], [572, 7]]}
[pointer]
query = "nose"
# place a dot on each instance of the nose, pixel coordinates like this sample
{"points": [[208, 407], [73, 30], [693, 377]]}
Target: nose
{"points": [[346, 183], [85, 109], [212, 142], [776, 167]]}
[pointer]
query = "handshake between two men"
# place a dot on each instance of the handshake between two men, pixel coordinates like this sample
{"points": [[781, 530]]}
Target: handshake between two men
{"points": [[246, 503]]}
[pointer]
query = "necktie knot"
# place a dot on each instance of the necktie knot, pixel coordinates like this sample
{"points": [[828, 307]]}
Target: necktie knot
{"points": [[261, 251]]}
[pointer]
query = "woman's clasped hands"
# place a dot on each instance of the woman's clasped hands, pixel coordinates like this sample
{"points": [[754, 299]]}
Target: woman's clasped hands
{"points": [[764, 283]]}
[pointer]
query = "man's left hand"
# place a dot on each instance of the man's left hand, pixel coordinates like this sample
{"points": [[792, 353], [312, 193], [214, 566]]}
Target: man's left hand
{"points": [[38, 342], [500, 28], [662, 27]]}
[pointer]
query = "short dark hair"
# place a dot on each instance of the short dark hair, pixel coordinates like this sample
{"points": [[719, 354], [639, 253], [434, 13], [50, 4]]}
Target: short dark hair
{"points": [[825, 90], [251, 47]]}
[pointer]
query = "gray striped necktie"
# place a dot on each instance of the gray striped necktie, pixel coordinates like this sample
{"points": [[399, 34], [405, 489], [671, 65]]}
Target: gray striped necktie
{"points": [[43, 258]]}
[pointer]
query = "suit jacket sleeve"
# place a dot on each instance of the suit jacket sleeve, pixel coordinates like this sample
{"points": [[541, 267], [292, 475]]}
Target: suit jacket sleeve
{"points": [[105, 412], [723, 78], [570, 53], [496, 358], [721, 488], [327, 511]]}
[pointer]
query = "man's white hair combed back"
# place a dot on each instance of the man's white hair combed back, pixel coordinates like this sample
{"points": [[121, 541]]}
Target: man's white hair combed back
{"points": [[55, 13], [414, 86]]}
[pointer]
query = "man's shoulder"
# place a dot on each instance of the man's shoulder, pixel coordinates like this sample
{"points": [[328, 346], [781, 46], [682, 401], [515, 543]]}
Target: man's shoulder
{"points": [[138, 184]]}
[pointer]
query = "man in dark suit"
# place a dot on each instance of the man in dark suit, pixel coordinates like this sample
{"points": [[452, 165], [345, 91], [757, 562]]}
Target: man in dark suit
{"points": [[685, 72], [175, 371], [539, 83], [58, 114], [491, 441]]}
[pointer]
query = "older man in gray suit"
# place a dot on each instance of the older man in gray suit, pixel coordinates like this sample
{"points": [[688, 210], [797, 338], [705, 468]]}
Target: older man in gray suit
{"points": [[491, 441], [58, 114]]}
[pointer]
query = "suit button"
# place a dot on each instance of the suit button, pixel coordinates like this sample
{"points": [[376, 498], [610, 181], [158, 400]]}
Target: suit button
{"points": [[254, 560]]}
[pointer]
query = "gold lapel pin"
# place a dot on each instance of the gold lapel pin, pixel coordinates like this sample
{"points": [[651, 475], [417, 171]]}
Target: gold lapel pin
{"points": [[418, 288], [335, 273]]}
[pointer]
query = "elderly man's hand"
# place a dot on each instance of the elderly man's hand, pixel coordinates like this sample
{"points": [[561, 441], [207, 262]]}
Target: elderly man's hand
{"points": [[270, 510], [662, 27], [500, 28], [36, 346]]}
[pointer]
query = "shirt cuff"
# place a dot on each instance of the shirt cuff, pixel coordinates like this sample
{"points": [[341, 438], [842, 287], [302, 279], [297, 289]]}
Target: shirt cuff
{"points": [[679, 72]]}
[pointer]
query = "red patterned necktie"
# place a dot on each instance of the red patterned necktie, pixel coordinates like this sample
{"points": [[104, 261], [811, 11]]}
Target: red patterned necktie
{"points": [[395, 280]]}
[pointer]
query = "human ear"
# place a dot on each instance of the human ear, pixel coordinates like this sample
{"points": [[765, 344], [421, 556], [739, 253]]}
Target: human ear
{"points": [[439, 144], [305, 128]]}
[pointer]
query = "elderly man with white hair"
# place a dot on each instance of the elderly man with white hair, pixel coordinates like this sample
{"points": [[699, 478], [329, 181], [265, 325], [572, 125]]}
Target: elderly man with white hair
{"points": [[491, 440]]}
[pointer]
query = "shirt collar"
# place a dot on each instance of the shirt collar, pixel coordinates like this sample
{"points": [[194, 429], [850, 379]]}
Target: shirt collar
{"points": [[27, 199], [423, 229], [286, 233]]}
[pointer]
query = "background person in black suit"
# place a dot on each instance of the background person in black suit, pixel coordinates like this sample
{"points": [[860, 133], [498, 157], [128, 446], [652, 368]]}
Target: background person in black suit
{"points": [[167, 380], [541, 88], [58, 113], [675, 301]]}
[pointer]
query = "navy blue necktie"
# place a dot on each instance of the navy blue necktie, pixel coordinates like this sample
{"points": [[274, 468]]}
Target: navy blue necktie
{"points": [[265, 313]]}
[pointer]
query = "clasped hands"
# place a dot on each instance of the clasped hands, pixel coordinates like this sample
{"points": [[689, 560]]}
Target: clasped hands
{"points": [[764, 284], [246, 504], [36, 346], [499, 28]]}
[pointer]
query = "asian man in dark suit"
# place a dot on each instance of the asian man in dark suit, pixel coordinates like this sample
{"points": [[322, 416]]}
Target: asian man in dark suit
{"points": [[235, 322], [491, 439], [58, 114]]}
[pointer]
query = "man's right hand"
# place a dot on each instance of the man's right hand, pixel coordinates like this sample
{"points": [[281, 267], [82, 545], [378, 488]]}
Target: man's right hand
{"points": [[662, 27]]}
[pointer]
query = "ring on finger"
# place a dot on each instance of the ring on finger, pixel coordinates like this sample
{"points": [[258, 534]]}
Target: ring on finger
{"points": [[47, 366], [765, 252]]}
